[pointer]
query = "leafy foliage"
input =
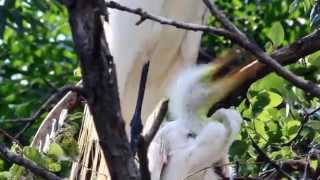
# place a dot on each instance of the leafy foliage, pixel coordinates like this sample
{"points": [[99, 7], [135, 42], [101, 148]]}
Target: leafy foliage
{"points": [[37, 56], [62, 152]]}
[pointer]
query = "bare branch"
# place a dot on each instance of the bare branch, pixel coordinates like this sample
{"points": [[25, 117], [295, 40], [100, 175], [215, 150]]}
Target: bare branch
{"points": [[100, 82], [286, 55], [166, 21], [145, 140], [222, 18], [35, 169], [45, 106], [267, 159], [234, 36], [245, 42], [136, 122], [159, 117], [5, 133]]}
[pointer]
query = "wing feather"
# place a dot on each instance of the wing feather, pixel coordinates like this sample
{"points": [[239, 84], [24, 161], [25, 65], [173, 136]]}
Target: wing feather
{"points": [[168, 48]]}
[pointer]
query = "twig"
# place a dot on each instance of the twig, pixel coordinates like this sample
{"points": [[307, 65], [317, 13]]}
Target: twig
{"points": [[137, 141], [306, 168], [243, 41], [144, 141], [136, 122], [166, 21], [35, 169], [10, 137], [266, 157], [222, 18], [303, 123], [247, 44], [159, 117], [62, 91]]}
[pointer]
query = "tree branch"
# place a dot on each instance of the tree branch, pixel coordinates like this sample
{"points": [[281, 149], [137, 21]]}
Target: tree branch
{"points": [[159, 117], [234, 35], [166, 21], [303, 123], [286, 55], [145, 140], [45, 106], [100, 84], [6, 134], [268, 160], [34, 168], [245, 42]]}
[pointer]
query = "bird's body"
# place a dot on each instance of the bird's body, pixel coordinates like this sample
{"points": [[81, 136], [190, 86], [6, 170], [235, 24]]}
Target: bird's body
{"points": [[192, 142], [168, 49]]}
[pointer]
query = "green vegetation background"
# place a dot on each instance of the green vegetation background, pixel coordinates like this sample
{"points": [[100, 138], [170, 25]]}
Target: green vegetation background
{"points": [[37, 57]]}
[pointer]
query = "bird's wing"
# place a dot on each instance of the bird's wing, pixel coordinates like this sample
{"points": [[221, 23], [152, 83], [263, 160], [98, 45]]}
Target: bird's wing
{"points": [[168, 48], [157, 156]]}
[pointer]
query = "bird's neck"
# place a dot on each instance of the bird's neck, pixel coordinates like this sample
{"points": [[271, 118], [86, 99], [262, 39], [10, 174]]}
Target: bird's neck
{"points": [[193, 118]]}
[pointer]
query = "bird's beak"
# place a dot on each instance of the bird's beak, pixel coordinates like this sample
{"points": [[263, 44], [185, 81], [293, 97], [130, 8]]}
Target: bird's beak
{"points": [[226, 79]]}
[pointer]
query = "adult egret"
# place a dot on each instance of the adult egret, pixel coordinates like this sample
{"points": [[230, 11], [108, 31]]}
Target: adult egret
{"points": [[186, 147], [168, 49]]}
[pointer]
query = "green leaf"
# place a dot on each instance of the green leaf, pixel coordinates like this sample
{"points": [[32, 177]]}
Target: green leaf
{"points": [[55, 150], [276, 34], [54, 167], [16, 172], [33, 154], [275, 99], [5, 175]]}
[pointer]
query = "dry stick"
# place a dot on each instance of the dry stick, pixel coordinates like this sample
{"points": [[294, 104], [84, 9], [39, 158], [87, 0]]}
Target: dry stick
{"points": [[233, 36], [144, 141], [245, 42], [166, 21], [34, 168], [306, 168], [266, 157], [137, 142], [148, 137], [53, 98]]}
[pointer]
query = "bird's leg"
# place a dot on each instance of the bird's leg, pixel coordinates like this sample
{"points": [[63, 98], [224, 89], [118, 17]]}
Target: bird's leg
{"points": [[136, 123]]}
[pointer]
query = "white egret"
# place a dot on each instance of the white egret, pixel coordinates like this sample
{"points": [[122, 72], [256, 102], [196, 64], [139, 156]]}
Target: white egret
{"points": [[193, 141], [168, 49]]}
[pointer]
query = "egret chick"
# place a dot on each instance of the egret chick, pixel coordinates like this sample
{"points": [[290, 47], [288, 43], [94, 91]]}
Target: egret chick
{"points": [[193, 141]]}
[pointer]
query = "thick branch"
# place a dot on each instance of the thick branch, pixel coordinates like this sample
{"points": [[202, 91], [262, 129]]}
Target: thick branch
{"points": [[35, 169], [100, 84], [245, 42], [286, 55]]}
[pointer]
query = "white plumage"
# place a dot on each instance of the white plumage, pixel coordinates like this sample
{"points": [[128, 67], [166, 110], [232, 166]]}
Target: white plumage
{"points": [[169, 49], [193, 142]]}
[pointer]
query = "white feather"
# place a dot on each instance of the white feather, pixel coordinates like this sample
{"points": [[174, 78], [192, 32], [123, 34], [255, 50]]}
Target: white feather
{"points": [[169, 49], [184, 155], [46, 144], [63, 116]]}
